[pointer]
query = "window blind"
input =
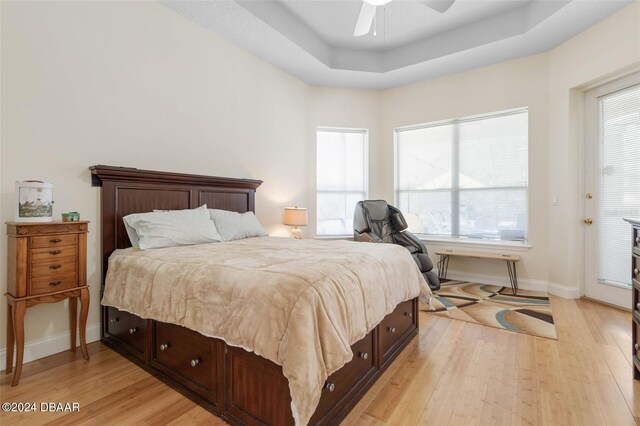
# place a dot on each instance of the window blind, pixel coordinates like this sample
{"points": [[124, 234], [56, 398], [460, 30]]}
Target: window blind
{"points": [[619, 185], [466, 177], [341, 179]]}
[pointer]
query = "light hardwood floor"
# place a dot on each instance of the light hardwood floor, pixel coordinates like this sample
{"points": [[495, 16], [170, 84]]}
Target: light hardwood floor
{"points": [[455, 373]]}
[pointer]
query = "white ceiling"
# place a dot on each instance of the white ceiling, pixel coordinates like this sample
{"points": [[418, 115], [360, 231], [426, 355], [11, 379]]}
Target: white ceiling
{"points": [[399, 23], [313, 39]]}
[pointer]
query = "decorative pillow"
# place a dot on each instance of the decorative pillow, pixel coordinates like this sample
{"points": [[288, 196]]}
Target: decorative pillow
{"points": [[171, 228], [236, 226]]}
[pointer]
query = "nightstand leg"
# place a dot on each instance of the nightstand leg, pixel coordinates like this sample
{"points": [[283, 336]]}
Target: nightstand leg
{"points": [[84, 312], [11, 340], [73, 321], [18, 311]]}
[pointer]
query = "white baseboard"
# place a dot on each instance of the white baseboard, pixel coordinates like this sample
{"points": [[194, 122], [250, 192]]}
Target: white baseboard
{"points": [[50, 345], [523, 283]]}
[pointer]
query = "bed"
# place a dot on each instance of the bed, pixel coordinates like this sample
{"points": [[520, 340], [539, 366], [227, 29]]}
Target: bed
{"points": [[224, 373]]}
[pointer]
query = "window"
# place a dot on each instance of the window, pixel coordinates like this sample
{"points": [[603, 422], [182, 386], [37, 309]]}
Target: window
{"points": [[465, 177], [341, 178]]}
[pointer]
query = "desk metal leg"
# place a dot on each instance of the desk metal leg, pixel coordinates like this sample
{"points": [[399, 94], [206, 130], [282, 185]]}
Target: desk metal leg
{"points": [[443, 266], [513, 276]]}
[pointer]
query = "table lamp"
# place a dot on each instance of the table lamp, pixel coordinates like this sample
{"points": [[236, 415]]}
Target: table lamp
{"points": [[295, 216]]}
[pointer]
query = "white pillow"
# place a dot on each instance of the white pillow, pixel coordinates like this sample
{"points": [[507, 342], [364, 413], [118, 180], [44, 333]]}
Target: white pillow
{"points": [[236, 226], [133, 235], [172, 228]]}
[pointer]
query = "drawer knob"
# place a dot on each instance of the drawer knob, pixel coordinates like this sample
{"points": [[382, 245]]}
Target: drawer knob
{"points": [[409, 314], [133, 330], [165, 346], [56, 266], [391, 329], [195, 362], [114, 320], [636, 272], [364, 355], [55, 283], [638, 241], [638, 306], [637, 347], [55, 240], [55, 252], [329, 386]]}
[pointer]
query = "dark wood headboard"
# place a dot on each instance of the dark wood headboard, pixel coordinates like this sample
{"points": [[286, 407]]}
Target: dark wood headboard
{"points": [[127, 190]]}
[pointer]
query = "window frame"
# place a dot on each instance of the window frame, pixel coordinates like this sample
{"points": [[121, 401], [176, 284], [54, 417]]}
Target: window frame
{"points": [[455, 189], [365, 160]]}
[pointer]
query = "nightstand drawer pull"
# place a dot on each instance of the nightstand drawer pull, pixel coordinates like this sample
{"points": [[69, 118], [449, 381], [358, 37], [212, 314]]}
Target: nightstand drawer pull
{"points": [[638, 241], [133, 330], [56, 266], [195, 362], [408, 314], [638, 306], [329, 386], [114, 320], [165, 346], [391, 329], [636, 272], [55, 283], [55, 252], [55, 240], [637, 347], [364, 355]]}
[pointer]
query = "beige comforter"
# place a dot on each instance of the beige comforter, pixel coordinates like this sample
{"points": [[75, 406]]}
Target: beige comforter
{"points": [[298, 303]]}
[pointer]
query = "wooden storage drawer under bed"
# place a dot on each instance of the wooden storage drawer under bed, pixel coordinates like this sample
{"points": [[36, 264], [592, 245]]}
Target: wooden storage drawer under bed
{"points": [[394, 326], [348, 378], [127, 329], [186, 355]]}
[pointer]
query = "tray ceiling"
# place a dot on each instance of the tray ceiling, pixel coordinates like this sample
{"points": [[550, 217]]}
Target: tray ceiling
{"points": [[313, 40]]}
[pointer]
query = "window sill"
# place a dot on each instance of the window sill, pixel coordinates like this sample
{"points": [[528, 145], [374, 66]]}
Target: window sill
{"points": [[493, 244]]}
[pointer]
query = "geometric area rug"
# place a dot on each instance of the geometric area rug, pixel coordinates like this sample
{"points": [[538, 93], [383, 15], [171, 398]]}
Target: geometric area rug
{"points": [[527, 312]]}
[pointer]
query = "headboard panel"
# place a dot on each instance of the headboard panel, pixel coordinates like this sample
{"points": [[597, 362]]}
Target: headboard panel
{"points": [[128, 190]]}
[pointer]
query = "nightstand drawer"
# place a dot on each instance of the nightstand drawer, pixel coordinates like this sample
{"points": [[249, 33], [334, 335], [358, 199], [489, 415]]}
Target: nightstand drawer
{"points": [[49, 284], [54, 268], [54, 240], [53, 253]]}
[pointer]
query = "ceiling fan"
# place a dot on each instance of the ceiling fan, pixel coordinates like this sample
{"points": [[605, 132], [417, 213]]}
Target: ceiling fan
{"points": [[368, 12]]}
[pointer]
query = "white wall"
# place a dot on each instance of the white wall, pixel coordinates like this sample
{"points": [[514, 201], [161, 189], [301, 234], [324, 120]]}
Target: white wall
{"points": [[551, 85], [347, 108], [607, 50], [135, 84], [519, 83]]}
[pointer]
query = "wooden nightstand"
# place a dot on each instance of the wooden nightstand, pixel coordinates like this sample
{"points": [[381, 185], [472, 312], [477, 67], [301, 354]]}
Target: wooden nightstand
{"points": [[47, 262]]}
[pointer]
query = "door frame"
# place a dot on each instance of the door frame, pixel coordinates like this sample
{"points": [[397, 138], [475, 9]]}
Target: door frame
{"points": [[588, 97]]}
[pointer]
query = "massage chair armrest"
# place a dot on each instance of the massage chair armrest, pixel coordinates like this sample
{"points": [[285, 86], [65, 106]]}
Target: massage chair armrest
{"points": [[407, 239], [366, 237]]}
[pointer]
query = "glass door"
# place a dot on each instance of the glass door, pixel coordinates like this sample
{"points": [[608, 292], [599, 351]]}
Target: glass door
{"points": [[612, 182]]}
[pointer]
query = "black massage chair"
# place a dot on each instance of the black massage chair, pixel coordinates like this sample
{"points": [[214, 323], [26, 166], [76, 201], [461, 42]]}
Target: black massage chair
{"points": [[375, 221]]}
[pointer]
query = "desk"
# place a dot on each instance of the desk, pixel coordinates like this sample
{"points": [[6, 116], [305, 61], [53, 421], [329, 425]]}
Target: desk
{"points": [[445, 255]]}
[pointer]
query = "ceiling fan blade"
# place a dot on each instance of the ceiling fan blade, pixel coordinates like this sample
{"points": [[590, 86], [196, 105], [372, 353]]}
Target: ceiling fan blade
{"points": [[438, 5], [365, 19]]}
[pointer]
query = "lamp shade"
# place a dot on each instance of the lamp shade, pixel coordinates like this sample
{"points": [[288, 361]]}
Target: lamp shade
{"points": [[295, 216]]}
